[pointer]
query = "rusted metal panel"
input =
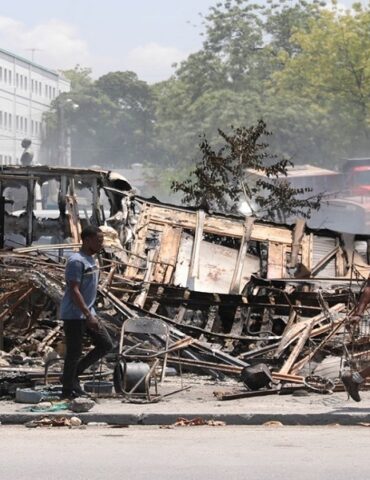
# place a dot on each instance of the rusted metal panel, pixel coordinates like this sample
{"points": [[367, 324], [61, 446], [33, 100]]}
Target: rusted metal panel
{"points": [[138, 248], [169, 247]]}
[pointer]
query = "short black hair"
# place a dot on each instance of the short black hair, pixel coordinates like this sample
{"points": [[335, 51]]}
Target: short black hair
{"points": [[90, 231]]}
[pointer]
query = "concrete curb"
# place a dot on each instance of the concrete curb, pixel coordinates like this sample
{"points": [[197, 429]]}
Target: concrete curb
{"points": [[168, 419]]}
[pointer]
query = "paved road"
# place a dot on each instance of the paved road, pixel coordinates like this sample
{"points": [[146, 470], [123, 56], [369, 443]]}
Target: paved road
{"points": [[185, 453]]}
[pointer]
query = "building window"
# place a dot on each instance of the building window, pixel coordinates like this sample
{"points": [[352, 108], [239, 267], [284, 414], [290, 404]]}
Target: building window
{"points": [[21, 124], [10, 121], [54, 92], [5, 75], [1, 119], [5, 120], [1, 74], [25, 83], [17, 79], [10, 77], [40, 89], [25, 125]]}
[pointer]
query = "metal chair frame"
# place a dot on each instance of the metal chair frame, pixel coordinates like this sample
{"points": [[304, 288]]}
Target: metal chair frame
{"points": [[144, 326]]}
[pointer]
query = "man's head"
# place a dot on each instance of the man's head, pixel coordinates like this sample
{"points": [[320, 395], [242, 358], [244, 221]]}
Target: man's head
{"points": [[92, 239]]}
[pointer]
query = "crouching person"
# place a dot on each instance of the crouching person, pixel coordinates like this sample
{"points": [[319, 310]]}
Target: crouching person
{"points": [[78, 314]]}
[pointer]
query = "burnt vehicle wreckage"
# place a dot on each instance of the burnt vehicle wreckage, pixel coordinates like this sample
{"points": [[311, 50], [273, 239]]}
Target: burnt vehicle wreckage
{"points": [[220, 295]]}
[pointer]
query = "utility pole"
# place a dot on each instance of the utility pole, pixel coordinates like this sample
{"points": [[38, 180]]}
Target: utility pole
{"points": [[64, 133]]}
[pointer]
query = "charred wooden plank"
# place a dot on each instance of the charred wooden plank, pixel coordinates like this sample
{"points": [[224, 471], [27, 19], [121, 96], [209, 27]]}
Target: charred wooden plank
{"points": [[297, 241], [212, 315], [237, 276]]}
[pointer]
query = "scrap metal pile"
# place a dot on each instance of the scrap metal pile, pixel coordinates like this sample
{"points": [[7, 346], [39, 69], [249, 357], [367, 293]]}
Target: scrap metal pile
{"points": [[265, 303]]}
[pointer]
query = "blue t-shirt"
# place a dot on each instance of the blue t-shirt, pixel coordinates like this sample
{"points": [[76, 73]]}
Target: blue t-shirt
{"points": [[80, 268]]}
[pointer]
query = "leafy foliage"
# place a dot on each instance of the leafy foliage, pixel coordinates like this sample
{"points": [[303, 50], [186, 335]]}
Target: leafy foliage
{"points": [[112, 124], [302, 66], [222, 178]]}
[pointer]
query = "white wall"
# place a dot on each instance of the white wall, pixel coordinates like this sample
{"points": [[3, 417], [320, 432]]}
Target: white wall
{"points": [[26, 91]]}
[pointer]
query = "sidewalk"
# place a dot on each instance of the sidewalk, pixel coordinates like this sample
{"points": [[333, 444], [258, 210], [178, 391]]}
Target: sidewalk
{"points": [[199, 401]]}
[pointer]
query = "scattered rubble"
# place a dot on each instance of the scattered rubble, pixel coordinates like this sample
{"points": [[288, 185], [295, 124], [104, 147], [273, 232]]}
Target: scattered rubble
{"points": [[81, 405], [54, 422], [267, 304], [198, 422]]}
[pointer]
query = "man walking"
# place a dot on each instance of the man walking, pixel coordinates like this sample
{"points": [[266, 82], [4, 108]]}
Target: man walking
{"points": [[77, 312]]}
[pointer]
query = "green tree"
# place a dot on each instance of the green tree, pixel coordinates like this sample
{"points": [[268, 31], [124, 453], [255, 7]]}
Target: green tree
{"points": [[221, 179], [231, 80], [132, 138], [332, 75], [301, 66], [111, 123], [80, 77]]}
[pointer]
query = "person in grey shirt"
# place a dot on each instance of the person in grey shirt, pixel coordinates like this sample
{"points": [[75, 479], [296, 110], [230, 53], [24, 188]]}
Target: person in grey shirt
{"points": [[78, 313]]}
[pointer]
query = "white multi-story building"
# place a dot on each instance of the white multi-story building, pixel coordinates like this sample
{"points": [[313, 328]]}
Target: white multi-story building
{"points": [[26, 91]]}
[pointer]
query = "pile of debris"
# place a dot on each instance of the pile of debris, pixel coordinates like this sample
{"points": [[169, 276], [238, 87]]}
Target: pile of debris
{"points": [[268, 304]]}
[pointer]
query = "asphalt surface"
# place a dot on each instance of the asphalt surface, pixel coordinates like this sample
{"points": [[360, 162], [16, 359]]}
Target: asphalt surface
{"points": [[185, 453]]}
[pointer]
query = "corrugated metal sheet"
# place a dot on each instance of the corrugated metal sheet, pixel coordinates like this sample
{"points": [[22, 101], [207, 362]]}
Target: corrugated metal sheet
{"points": [[321, 247]]}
